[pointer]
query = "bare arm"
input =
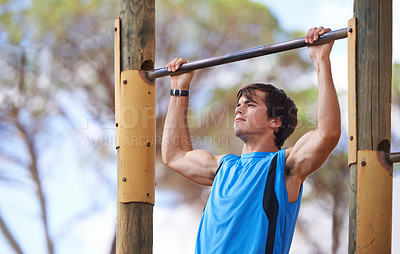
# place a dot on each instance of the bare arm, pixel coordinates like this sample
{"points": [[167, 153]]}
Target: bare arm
{"points": [[198, 166], [312, 150]]}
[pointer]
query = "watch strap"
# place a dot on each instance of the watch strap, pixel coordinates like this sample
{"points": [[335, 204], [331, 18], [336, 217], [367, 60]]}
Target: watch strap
{"points": [[179, 92]]}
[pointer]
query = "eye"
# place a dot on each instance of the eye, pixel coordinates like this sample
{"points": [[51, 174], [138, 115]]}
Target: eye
{"points": [[251, 105], [237, 105]]}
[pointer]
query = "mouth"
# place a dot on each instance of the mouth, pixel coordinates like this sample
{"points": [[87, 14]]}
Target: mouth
{"points": [[239, 119]]}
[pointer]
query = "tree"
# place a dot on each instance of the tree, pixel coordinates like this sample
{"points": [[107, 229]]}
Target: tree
{"points": [[49, 50]]}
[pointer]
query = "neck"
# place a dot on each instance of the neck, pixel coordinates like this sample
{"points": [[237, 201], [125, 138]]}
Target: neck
{"points": [[266, 145]]}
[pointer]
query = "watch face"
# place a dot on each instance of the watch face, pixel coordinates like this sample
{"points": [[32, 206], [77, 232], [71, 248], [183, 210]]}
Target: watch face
{"points": [[179, 92]]}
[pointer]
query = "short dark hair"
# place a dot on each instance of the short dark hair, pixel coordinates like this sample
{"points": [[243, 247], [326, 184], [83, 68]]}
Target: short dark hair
{"points": [[279, 105]]}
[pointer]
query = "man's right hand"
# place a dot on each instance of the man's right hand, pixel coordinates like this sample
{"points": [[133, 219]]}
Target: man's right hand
{"points": [[181, 81], [177, 152]]}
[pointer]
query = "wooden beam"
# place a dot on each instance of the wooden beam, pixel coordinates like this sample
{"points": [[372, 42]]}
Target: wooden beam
{"points": [[352, 99], [137, 34], [374, 72], [373, 93], [352, 127], [135, 218]]}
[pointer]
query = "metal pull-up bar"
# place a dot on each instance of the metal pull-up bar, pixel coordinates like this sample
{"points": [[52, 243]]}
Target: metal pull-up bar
{"points": [[394, 157], [248, 53]]}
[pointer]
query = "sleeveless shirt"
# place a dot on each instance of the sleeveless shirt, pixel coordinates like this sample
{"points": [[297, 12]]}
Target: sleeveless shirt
{"points": [[248, 210]]}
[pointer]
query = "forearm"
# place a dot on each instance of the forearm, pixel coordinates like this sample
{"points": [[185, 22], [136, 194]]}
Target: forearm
{"points": [[313, 148], [328, 110], [176, 136]]}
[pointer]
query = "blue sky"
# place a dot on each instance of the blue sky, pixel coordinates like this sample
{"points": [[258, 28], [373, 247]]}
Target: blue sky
{"points": [[334, 14]]}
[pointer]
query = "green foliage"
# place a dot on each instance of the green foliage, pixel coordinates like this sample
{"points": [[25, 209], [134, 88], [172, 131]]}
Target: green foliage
{"points": [[213, 27], [227, 15], [10, 22], [57, 16], [199, 29]]}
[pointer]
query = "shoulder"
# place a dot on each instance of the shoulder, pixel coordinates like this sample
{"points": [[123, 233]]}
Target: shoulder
{"points": [[227, 157], [287, 152]]}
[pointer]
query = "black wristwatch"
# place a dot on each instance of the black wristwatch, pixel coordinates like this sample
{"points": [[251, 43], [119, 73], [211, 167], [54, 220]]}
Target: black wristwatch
{"points": [[179, 92]]}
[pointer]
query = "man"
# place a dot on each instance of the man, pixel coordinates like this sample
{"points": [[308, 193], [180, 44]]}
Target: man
{"points": [[255, 198]]}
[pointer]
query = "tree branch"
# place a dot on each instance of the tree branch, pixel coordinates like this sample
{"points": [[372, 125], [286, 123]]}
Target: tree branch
{"points": [[9, 236]]}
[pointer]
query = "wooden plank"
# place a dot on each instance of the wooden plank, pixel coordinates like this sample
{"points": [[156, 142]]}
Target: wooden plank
{"points": [[137, 152], [117, 77], [374, 202], [352, 102], [352, 131]]}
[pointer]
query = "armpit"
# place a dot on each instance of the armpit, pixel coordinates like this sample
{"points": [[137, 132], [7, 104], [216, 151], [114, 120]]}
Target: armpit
{"points": [[288, 168]]}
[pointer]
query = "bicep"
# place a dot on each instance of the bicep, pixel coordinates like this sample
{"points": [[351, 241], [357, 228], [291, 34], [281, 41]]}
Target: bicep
{"points": [[309, 153], [198, 166]]}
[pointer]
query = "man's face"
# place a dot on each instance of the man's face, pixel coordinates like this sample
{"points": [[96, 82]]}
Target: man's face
{"points": [[251, 116]]}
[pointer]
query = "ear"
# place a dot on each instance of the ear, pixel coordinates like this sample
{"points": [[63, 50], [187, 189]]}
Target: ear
{"points": [[276, 122]]}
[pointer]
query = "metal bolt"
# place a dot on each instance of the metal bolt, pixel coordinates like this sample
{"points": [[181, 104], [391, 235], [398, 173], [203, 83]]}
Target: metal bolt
{"points": [[350, 30], [351, 137], [148, 144], [123, 179], [363, 163], [125, 81]]}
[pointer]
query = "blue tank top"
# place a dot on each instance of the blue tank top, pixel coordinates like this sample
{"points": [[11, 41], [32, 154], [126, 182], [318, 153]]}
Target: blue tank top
{"points": [[248, 210]]}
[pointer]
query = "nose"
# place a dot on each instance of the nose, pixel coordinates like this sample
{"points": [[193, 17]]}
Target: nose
{"points": [[239, 110]]}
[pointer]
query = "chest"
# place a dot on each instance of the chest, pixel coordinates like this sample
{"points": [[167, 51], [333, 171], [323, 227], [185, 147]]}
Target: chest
{"points": [[241, 180]]}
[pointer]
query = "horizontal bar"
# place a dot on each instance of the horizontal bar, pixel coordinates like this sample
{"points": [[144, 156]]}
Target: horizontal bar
{"points": [[394, 157], [248, 53]]}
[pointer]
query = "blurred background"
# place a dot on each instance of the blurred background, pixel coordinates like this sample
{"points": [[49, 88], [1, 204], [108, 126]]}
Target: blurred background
{"points": [[57, 132]]}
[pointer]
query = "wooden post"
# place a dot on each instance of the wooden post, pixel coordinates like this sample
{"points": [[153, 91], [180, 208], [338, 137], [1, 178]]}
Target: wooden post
{"points": [[135, 121], [352, 130], [370, 213]]}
